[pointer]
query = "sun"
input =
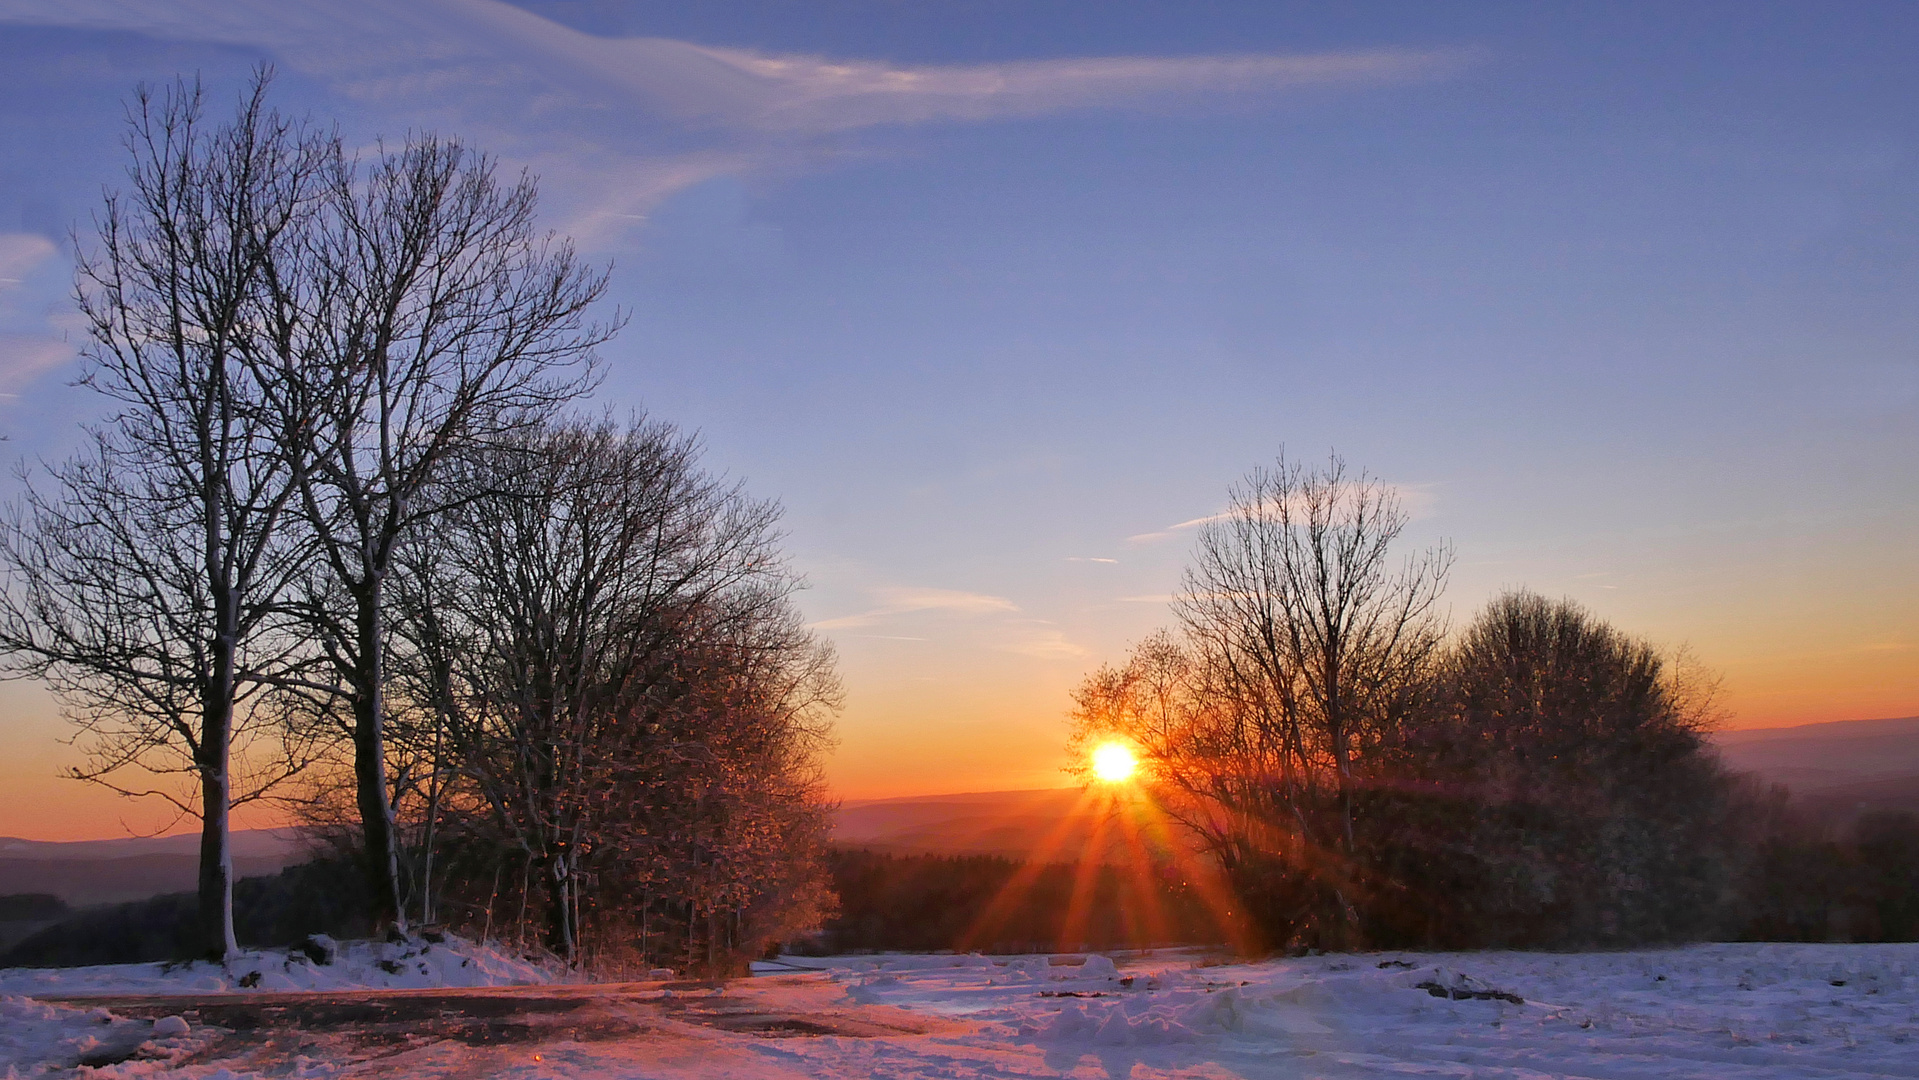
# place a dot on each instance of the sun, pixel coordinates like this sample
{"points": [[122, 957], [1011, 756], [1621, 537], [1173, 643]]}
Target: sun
{"points": [[1113, 762]]}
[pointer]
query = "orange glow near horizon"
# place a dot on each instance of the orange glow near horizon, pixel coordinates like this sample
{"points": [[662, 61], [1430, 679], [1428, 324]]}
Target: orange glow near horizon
{"points": [[974, 719], [974, 736], [1147, 847]]}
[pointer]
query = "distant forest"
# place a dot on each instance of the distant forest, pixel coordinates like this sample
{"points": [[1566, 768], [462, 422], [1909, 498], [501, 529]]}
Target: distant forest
{"points": [[994, 904], [1807, 880]]}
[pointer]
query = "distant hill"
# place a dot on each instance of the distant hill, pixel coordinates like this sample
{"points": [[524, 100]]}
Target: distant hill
{"points": [[87, 872], [1841, 767], [1048, 824], [1844, 767]]}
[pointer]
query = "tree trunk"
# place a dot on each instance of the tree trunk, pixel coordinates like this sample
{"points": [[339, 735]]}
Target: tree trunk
{"points": [[217, 941], [559, 912], [1339, 734], [214, 759], [427, 912], [369, 761]]}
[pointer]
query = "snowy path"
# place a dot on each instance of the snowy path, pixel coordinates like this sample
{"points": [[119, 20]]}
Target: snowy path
{"points": [[1742, 1012]]}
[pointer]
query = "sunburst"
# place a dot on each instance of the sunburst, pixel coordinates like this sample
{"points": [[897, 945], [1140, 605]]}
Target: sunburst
{"points": [[1114, 762]]}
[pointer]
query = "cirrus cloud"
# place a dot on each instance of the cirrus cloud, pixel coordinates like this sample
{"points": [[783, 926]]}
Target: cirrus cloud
{"points": [[20, 254], [896, 600], [1417, 500], [25, 355], [619, 124]]}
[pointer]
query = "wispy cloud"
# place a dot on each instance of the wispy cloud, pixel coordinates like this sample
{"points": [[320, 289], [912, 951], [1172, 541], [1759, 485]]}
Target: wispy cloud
{"points": [[624, 122], [983, 621], [20, 254], [25, 355], [816, 94], [896, 601], [22, 358], [1041, 641], [1418, 500], [1089, 558]]}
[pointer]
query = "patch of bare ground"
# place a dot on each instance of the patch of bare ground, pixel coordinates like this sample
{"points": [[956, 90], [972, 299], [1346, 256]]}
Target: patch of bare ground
{"points": [[381, 1030]]}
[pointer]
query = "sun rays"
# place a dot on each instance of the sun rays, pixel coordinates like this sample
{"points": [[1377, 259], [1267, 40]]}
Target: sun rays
{"points": [[1116, 824]]}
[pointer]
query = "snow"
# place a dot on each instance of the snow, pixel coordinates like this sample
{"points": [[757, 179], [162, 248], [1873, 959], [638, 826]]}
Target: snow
{"points": [[35, 1036], [357, 965], [1748, 1011]]}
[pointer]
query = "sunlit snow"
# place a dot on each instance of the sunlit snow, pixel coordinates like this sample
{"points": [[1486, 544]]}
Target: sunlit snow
{"points": [[1750, 1011]]}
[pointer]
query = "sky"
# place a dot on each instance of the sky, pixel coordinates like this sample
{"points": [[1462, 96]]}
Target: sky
{"points": [[995, 297]]}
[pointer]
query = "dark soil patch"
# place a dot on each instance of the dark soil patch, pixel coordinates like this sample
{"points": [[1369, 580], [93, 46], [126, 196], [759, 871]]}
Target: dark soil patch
{"points": [[1467, 993], [399, 1020], [1074, 994], [476, 1019]]}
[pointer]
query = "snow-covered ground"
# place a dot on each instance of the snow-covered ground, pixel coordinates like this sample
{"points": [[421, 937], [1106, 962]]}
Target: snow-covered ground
{"points": [[39, 1037], [1740, 1011], [1706, 1011], [352, 965]]}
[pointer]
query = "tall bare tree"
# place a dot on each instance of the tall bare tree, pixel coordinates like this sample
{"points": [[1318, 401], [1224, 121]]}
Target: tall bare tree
{"points": [[426, 316], [145, 588], [609, 635], [1304, 618], [1541, 780], [1303, 647]]}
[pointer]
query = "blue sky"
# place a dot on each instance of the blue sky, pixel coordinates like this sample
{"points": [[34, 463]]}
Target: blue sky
{"points": [[1624, 297]]}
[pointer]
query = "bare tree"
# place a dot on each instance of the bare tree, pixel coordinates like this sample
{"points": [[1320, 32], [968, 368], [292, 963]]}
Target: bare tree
{"points": [[1302, 617], [145, 590], [425, 316], [608, 634], [1303, 647], [1542, 780]]}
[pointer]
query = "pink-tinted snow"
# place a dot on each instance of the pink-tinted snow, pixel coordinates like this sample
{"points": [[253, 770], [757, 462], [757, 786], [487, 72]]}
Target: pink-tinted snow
{"points": [[1752, 1012]]}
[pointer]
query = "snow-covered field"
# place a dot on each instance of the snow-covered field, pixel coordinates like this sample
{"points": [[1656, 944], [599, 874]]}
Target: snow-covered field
{"points": [[1741, 1011], [1706, 1011], [38, 1037], [352, 965]]}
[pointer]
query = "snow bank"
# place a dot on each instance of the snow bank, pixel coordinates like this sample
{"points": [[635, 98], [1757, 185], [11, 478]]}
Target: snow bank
{"points": [[355, 965], [35, 1036]]}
